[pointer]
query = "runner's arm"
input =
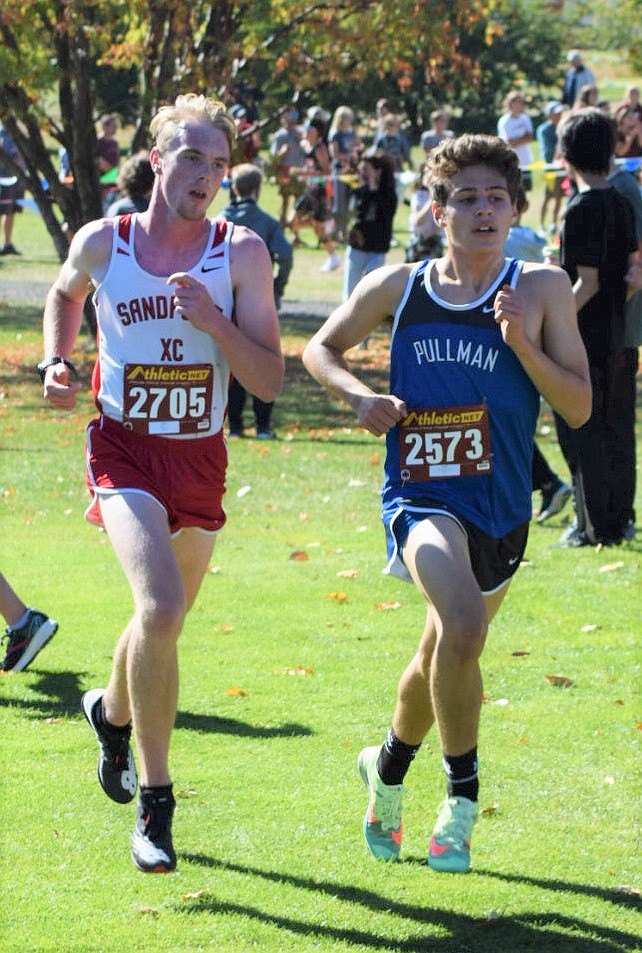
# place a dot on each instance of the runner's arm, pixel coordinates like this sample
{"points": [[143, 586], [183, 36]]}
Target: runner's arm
{"points": [[88, 255], [374, 299], [555, 359]]}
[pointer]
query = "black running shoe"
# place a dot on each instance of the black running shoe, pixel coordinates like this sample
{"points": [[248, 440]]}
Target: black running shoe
{"points": [[23, 644], [116, 766], [152, 849]]}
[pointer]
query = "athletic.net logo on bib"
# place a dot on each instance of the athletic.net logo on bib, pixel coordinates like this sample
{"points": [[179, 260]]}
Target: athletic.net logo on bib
{"points": [[164, 399], [443, 442]]}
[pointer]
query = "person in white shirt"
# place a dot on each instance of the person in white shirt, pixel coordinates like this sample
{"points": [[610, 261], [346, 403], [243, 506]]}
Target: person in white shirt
{"points": [[516, 128]]}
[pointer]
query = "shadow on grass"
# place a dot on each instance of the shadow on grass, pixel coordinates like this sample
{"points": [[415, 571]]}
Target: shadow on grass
{"points": [[525, 931], [60, 693], [212, 724]]}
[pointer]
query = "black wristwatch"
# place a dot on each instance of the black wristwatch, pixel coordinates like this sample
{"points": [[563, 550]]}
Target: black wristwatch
{"points": [[42, 367]]}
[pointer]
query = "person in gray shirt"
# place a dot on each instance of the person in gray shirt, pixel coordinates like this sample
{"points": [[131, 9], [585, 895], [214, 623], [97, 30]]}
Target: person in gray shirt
{"points": [[244, 209]]}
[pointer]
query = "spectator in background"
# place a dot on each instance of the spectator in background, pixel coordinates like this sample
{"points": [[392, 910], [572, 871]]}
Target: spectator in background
{"points": [[624, 395], [514, 126], [383, 108], [375, 204], [587, 96], [135, 182], [345, 148], [11, 192], [244, 209], [108, 156], [526, 245], [577, 75], [437, 133], [313, 206], [596, 251], [631, 101], [628, 143], [27, 632], [425, 239], [394, 144], [546, 134], [522, 242], [288, 155], [248, 141], [108, 148], [321, 117]]}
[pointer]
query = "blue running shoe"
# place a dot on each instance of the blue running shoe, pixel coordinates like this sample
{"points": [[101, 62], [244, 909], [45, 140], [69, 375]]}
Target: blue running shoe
{"points": [[450, 841], [382, 827]]}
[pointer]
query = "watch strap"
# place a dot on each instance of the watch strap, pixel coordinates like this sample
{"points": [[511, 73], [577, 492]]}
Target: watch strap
{"points": [[42, 367]]}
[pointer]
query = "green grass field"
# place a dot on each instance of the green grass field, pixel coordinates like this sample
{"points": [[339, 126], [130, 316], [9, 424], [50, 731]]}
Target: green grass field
{"points": [[289, 663]]}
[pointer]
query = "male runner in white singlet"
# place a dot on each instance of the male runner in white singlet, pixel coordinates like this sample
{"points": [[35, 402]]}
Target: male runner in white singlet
{"points": [[182, 301], [475, 339]]}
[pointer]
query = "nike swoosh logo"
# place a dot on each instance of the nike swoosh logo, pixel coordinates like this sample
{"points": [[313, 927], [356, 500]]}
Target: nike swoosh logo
{"points": [[489, 310], [438, 849], [214, 268], [515, 559]]}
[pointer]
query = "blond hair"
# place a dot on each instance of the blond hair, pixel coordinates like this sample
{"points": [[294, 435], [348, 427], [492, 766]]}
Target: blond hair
{"points": [[341, 114], [165, 124]]}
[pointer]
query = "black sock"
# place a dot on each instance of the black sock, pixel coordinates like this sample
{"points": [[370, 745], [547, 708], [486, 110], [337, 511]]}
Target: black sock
{"points": [[156, 793], [462, 775], [394, 759]]}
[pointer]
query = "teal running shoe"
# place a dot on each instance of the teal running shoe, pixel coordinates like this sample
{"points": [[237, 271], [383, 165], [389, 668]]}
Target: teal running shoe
{"points": [[450, 841], [382, 823]]}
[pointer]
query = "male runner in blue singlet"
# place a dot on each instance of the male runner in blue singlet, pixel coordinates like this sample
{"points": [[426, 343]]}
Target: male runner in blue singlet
{"points": [[475, 339]]}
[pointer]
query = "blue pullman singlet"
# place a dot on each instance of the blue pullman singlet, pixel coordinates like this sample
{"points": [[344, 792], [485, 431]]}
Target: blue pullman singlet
{"points": [[467, 442]]}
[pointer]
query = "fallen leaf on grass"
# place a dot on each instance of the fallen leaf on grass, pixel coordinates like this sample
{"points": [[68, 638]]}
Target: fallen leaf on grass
{"points": [[611, 567], [560, 681], [53, 721], [196, 895], [298, 670], [591, 627], [348, 573], [355, 483], [226, 627], [146, 911], [214, 570], [244, 490], [491, 809], [520, 653], [299, 556], [236, 692], [385, 606], [337, 596]]}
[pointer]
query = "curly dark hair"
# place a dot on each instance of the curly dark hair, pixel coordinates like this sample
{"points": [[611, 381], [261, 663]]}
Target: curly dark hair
{"points": [[454, 154]]}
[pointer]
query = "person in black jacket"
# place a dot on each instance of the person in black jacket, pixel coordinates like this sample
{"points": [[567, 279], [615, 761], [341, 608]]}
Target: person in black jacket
{"points": [[375, 204]]}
